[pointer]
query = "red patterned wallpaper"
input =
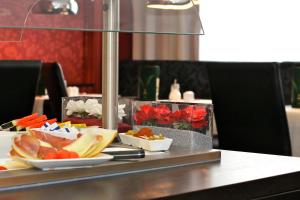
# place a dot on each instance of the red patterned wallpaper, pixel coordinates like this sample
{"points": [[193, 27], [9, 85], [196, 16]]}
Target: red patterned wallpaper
{"points": [[78, 52], [65, 47]]}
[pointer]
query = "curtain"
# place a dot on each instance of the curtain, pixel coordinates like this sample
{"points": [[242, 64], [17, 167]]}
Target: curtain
{"points": [[164, 46]]}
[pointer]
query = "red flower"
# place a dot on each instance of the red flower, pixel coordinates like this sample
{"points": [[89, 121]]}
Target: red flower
{"points": [[177, 115], [163, 114], [199, 124], [195, 116], [199, 114], [139, 117], [191, 116], [161, 111], [147, 109], [146, 113]]}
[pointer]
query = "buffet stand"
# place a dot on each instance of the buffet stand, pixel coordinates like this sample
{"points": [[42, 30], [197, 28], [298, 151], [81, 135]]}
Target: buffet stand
{"points": [[109, 17], [180, 173], [240, 175], [176, 157]]}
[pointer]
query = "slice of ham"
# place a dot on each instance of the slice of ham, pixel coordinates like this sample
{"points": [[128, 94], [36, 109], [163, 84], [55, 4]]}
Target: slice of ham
{"points": [[28, 144], [56, 142]]}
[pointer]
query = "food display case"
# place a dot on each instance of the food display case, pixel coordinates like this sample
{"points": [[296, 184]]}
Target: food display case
{"points": [[109, 17], [188, 124]]}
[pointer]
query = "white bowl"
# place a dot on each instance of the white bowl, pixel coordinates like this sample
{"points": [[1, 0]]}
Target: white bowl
{"points": [[149, 145]]}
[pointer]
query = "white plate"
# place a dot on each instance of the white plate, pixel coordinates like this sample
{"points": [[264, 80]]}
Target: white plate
{"points": [[5, 142], [11, 164], [67, 163]]}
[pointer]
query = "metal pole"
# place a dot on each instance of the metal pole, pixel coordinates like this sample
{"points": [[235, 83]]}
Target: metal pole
{"points": [[110, 64]]}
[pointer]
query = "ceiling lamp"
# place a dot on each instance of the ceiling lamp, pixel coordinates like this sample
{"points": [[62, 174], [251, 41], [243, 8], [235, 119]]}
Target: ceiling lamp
{"points": [[63, 7], [172, 4]]}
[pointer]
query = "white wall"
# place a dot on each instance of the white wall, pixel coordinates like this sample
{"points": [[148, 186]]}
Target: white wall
{"points": [[250, 30]]}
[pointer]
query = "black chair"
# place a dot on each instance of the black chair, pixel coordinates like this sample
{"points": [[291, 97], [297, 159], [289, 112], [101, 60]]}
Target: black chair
{"points": [[286, 69], [54, 81], [249, 107], [18, 84]]}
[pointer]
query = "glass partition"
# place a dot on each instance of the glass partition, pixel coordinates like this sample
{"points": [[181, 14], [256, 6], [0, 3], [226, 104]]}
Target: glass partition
{"points": [[139, 16], [109, 16]]}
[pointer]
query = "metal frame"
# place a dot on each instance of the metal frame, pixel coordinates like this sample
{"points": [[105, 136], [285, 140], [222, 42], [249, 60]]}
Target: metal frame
{"points": [[110, 63]]}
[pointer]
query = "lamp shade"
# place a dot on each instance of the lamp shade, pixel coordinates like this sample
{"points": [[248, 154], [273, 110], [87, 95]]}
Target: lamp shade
{"points": [[171, 4]]}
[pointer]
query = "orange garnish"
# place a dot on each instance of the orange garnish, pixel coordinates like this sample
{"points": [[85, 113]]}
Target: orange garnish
{"points": [[144, 132]]}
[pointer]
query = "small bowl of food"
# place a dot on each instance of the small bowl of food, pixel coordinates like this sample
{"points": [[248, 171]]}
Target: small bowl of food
{"points": [[146, 139]]}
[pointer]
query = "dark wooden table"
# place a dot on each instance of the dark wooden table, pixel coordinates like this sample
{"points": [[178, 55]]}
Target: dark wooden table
{"points": [[239, 175]]}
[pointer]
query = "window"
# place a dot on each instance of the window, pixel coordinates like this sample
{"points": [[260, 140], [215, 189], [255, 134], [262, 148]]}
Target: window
{"points": [[250, 30]]}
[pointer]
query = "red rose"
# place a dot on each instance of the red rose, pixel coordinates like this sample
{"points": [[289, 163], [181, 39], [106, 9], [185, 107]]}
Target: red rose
{"points": [[177, 115], [195, 115], [199, 124], [139, 117], [163, 114], [161, 110], [198, 114], [147, 110], [146, 113], [187, 113]]}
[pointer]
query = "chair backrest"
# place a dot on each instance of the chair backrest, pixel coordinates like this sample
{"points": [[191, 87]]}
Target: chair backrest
{"points": [[54, 81], [18, 84], [249, 107]]}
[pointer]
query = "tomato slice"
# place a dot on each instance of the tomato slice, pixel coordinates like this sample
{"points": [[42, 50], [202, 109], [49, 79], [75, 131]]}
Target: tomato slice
{"points": [[3, 168], [64, 154], [50, 155], [60, 154], [73, 154]]}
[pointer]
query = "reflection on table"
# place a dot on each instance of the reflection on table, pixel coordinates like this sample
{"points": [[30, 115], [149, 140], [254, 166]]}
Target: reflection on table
{"points": [[293, 116]]}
